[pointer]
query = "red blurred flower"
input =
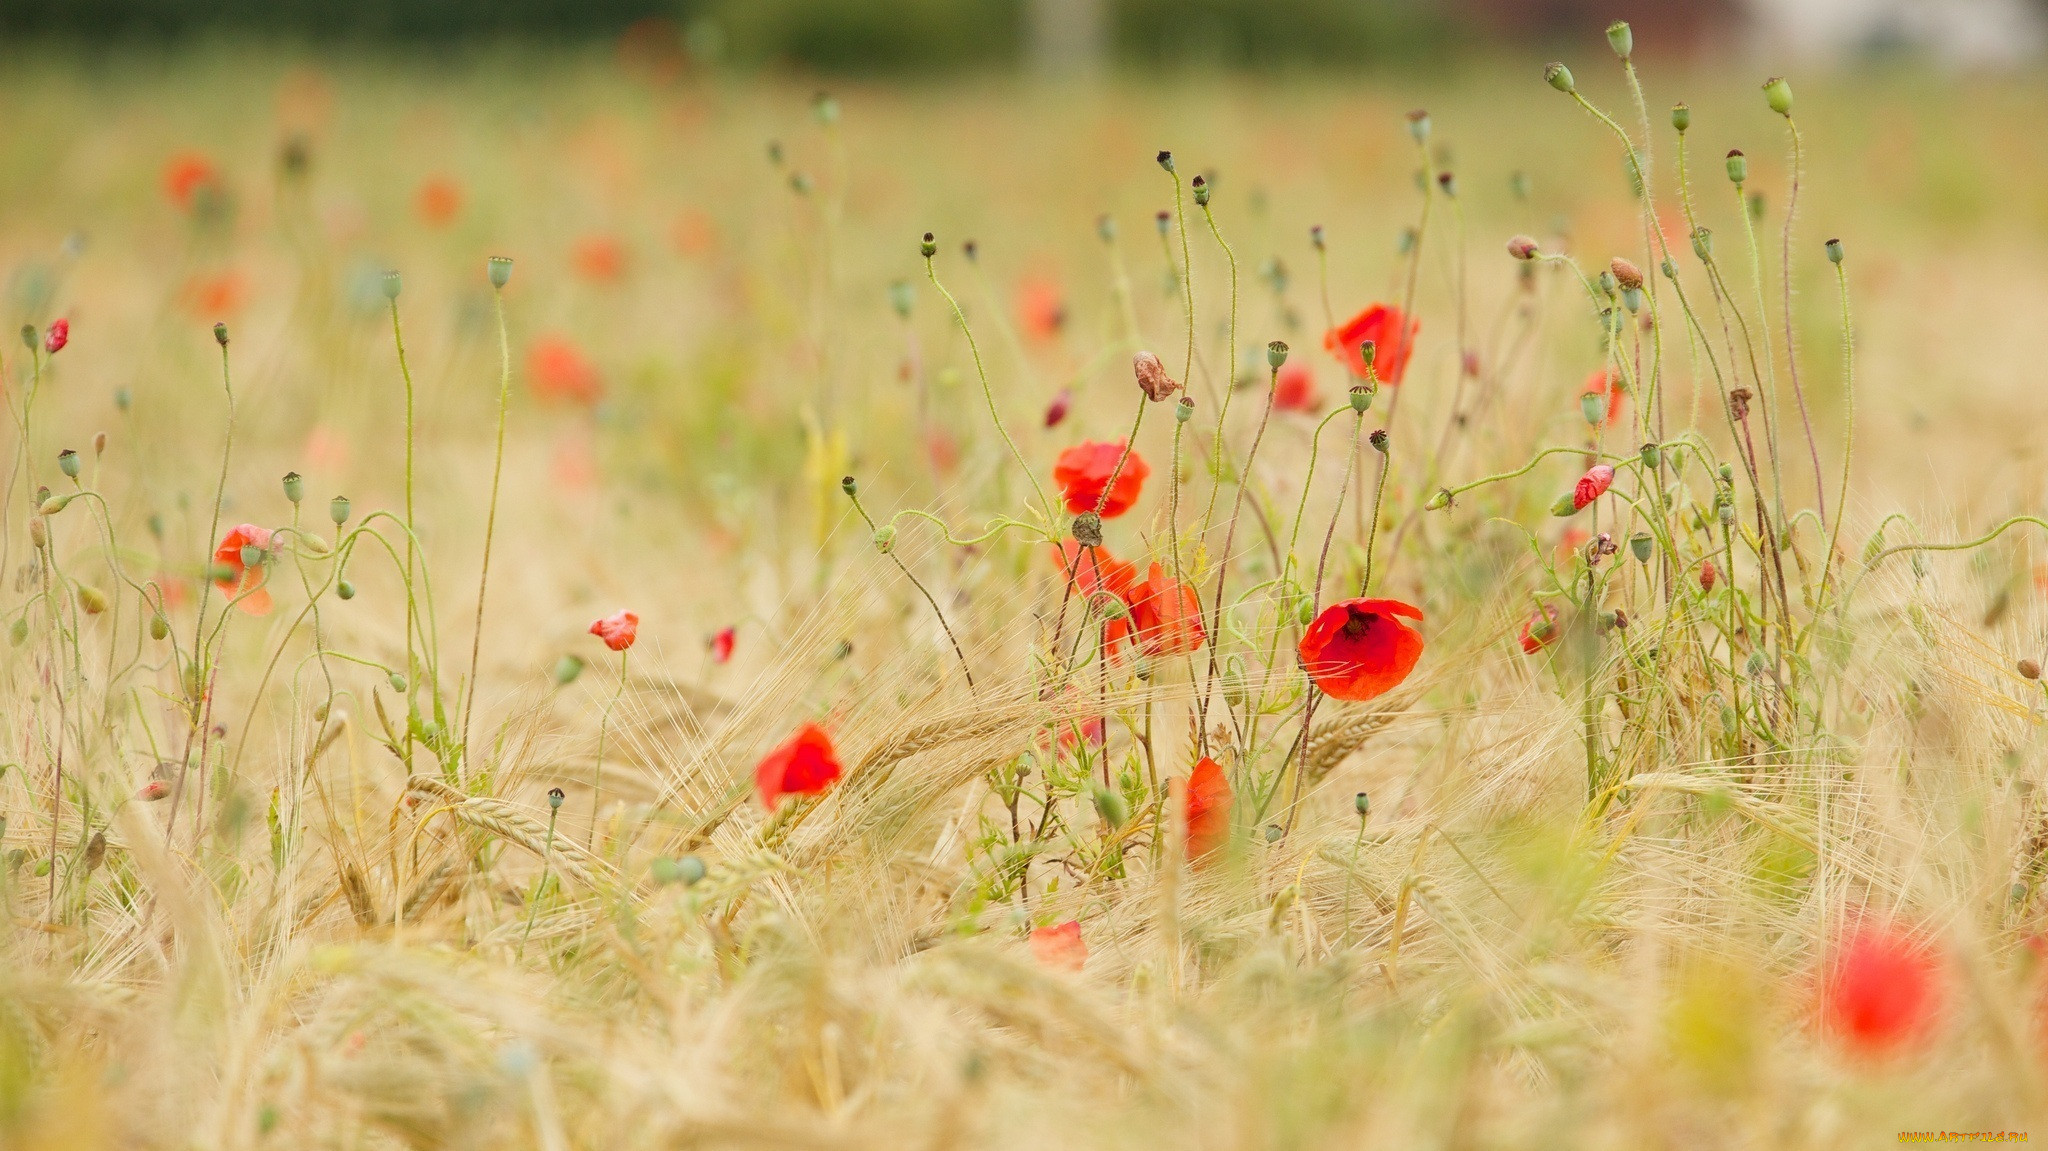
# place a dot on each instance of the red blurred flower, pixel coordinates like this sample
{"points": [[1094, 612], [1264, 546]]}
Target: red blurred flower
{"points": [[1041, 311], [1708, 575], [58, 336], [618, 630], [185, 174], [1592, 485], [805, 764], [1083, 471], [1057, 409], [1393, 337], [599, 259], [558, 370], [1206, 808], [1600, 384], [1881, 990], [721, 645], [943, 450], [214, 297], [1539, 630], [1060, 946], [438, 201], [1088, 730], [1167, 615], [1295, 389], [1357, 650], [152, 791], [239, 579]]}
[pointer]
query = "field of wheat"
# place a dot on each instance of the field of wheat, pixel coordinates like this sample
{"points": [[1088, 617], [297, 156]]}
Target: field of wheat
{"points": [[564, 601]]}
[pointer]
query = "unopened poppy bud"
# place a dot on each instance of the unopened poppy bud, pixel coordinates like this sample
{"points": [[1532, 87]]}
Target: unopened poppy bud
{"points": [[397, 682], [663, 871], [1834, 251], [566, 670], [1681, 117], [1105, 227], [99, 444], [152, 791], [28, 336], [1276, 354], [1361, 398], [1625, 272], [17, 632], [1418, 125], [1738, 166], [1112, 807], [2029, 669], [159, 627], [1056, 411], [294, 487], [555, 798], [1639, 545], [1306, 613], [345, 589], [58, 336], [1558, 76], [1088, 530], [53, 505], [1201, 187], [849, 485], [1378, 439], [220, 334], [1315, 236], [885, 538], [929, 246], [1439, 501], [91, 600], [38, 532], [1703, 243], [1779, 95], [1184, 410], [1166, 160], [1727, 473], [1163, 220], [1593, 407], [1621, 39], [1651, 455], [67, 462], [1523, 248]]}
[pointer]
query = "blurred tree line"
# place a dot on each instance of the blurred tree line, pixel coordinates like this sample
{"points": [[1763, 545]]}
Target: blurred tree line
{"points": [[826, 35]]}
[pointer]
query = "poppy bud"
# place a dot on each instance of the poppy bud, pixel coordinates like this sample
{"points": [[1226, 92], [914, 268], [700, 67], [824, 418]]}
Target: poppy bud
{"points": [[1378, 439], [849, 485], [1273, 834], [1608, 283], [1738, 166], [1369, 352], [1418, 125], [1558, 76], [345, 589], [1057, 409], [1184, 410], [2029, 669], [1632, 299], [1779, 95], [1166, 160], [1727, 473], [58, 336], [1592, 485], [1112, 807], [1639, 545], [663, 871], [17, 631], [1152, 377], [499, 269], [1523, 248], [566, 670], [38, 532], [1625, 273], [885, 538], [1834, 251], [1707, 575], [1621, 39], [28, 336], [1201, 186], [1681, 117], [397, 682], [67, 462], [294, 487], [1088, 530], [555, 798], [53, 505], [220, 334], [159, 627], [1163, 220], [1439, 501], [1703, 243], [1651, 455], [91, 600], [1307, 612], [1361, 398], [1669, 269], [928, 247], [1593, 406], [123, 398], [1315, 236], [1362, 804], [1105, 226]]}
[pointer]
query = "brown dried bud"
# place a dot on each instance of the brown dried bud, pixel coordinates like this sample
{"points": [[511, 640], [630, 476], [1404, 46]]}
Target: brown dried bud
{"points": [[1738, 404], [2029, 669], [1152, 376], [95, 850], [1625, 273]]}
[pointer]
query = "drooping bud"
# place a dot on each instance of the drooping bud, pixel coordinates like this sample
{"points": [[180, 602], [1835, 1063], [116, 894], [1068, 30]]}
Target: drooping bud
{"points": [[345, 589], [1681, 117], [1523, 247], [159, 627], [1738, 166], [294, 487], [1165, 160], [1056, 411], [28, 336], [1621, 39], [1152, 377], [885, 538], [1559, 77], [929, 246], [1625, 273], [2029, 669], [91, 600], [1779, 95], [67, 462], [1439, 501], [1112, 807]]}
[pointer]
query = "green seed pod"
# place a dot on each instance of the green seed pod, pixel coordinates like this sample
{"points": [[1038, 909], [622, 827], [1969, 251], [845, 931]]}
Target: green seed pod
{"points": [[1652, 455], [1621, 39], [1632, 299], [1593, 406], [1703, 243], [1669, 269], [1640, 545], [28, 336], [1378, 439], [1727, 473], [1418, 125], [345, 589], [220, 334], [1779, 95], [849, 485], [1165, 160], [252, 556], [1201, 187], [1361, 398], [1681, 117], [67, 462], [294, 487], [393, 284], [1184, 410], [555, 798], [1369, 351], [566, 670], [1362, 804], [397, 682], [1607, 283], [1834, 251], [337, 510], [499, 269], [1276, 354], [1559, 77], [1112, 807], [159, 627], [663, 871], [1738, 166], [929, 246]]}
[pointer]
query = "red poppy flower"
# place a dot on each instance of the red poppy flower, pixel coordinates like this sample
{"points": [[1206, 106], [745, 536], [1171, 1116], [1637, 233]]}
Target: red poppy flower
{"points": [[1539, 630], [1206, 808], [1881, 990], [1041, 312], [618, 630], [185, 175], [1708, 575], [558, 370], [1073, 735], [1060, 947], [805, 764], [1393, 337], [58, 336], [1083, 471], [1057, 409], [1295, 389], [1599, 384], [1592, 485], [1357, 650], [1167, 614], [438, 201], [234, 575], [599, 259], [721, 645]]}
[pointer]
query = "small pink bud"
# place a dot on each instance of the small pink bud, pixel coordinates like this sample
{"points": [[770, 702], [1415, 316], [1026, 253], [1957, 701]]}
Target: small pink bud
{"points": [[1592, 485], [1057, 409], [1708, 575], [58, 336]]}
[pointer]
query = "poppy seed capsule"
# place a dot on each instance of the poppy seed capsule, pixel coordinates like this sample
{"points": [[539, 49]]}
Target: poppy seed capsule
{"points": [[1276, 355], [1523, 247], [1703, 243], [1738, 166], [1315, 236], [849, 485], [1378, 439], [1639, 545], [67, 462], [1163, 219], [1088, 530], [1669, 269], [1625, 273], [220, 334], [1165, 160], [1184, 410], [1632, 299], [555, 798], [294, 487], [1201, 186], [1651, 455], [690, 870], [1559, 77], [1362, 804], [1834, 251], [1593, 408], [1621, 38], [1779, 95], [499, 269], [392, 285], [1361, 398], [1681, 117], [1418, 125], [1608, 283], [929, 247], [2029, 669], [971, 250], [1448, 182], [1368, 352]]}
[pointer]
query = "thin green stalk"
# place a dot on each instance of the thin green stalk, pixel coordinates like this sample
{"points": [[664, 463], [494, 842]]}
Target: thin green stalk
{"points": [[412, 671], [988, 394], [547, 859], [491, 516]]}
